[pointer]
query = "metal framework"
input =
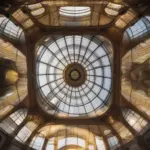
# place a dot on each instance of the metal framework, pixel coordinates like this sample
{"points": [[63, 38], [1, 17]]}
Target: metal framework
{"points": [[91, 98], [55, 96]]}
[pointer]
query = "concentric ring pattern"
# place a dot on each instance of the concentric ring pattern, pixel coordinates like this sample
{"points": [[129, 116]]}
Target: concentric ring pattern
{"points": [[92, 98]]}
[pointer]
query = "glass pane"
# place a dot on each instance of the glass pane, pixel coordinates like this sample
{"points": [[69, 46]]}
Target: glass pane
{"points": [[57, 87], [75, 11]]}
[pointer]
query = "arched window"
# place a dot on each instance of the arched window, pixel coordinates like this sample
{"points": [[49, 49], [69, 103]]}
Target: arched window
{"points": [[71, 141], [10, 30], [37, 142], [140, 29], [11, 123], [134, 119], [26, 131], [75, 11]]}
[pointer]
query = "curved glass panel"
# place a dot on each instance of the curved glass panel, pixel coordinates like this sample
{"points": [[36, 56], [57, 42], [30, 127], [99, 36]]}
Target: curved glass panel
{"points": [[11, 123], [10, 30], [140, 29], [74, 75], [134, 119], [75, 11], [37, 143], [26, 131]]}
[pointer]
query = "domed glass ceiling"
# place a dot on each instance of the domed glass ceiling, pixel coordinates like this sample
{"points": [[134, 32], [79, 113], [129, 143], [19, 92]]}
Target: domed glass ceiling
{"points": [[38, 131], [74, 75]]}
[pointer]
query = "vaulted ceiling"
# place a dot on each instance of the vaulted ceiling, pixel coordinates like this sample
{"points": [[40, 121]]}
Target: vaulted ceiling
{"points": [[74, 75]]}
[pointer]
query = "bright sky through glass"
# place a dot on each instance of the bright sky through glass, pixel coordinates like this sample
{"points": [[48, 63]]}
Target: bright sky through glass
{"points": [[54, 55]]}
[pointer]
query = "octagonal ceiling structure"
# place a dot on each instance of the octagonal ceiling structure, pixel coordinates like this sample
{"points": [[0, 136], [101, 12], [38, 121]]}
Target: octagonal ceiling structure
{"points": [[74, 73]]}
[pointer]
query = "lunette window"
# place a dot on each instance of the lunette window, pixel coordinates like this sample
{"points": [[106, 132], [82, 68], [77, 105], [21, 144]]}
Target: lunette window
{"points": [[134, 119], [75, 11]]}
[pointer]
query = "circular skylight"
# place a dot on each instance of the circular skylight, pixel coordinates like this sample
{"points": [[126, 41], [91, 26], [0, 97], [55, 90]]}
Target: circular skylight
{"points": [[74, 75]]}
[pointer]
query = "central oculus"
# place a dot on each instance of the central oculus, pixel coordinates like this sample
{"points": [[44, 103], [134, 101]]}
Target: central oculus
{"points": [[75, 75]]}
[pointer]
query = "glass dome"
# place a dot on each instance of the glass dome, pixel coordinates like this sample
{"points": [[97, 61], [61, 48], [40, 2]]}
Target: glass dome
{"points": [[69, 106], [74, 75]]}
